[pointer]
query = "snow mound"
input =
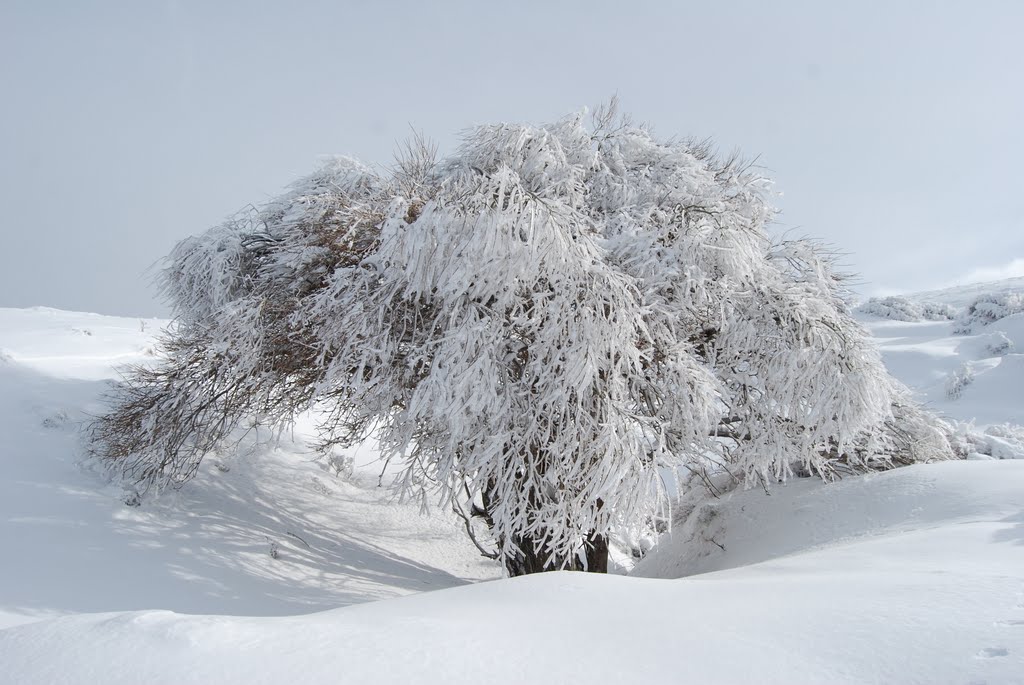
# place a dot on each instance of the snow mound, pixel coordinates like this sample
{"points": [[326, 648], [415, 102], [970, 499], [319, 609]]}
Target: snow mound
{"points": [[749, 526], [931, 592]]}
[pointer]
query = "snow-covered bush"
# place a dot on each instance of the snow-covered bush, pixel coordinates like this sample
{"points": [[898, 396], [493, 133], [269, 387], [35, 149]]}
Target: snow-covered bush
{"points": [[902, 309], [897, 308], [987, 309], [536, 328], [998, 344], [340, 465], [938, 311], [958, 380], [999, 441], [1005, 441]]}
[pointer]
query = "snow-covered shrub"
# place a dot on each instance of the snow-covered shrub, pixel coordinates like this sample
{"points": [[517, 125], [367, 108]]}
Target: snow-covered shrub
{"points": [[938, 311], [58, 420], [341, 465], [1000, 441], [896, 308], [958, 380], [902, 309], [988, 308], [537, 328], [1005, 441], [998, 344]]}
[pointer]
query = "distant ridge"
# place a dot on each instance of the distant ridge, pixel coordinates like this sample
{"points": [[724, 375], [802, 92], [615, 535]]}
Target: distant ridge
{"points": [[963, 295]]}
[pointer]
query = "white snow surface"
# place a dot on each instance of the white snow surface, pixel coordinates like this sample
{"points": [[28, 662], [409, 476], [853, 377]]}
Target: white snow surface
{"points": [[910, 576], [927, 355], [70, 544], [929, 597]]}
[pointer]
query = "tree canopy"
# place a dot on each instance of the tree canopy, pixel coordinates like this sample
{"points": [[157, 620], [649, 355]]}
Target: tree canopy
{"points": [[539, 328]]}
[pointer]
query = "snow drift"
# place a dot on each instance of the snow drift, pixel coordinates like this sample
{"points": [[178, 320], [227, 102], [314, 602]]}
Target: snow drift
{"points": [[912, 576], [929, 591]]}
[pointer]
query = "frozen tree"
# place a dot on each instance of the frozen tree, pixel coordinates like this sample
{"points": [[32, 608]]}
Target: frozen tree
{"points": [[538, 329]]}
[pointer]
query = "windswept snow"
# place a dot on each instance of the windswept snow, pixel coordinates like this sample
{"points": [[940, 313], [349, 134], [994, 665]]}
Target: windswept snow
{"points": [[910, 576]]}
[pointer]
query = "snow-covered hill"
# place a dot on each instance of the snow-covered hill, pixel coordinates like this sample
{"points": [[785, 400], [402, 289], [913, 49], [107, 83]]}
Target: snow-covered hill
{"points": [[961, 296], [910, 576], [968, 367]]}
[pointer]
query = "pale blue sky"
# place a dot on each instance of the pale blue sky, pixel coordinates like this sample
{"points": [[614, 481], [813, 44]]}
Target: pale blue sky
{"points": [[894, 129]]}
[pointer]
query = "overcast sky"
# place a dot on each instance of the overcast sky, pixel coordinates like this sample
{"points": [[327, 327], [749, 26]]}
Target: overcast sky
{"points": [[893, 130]]}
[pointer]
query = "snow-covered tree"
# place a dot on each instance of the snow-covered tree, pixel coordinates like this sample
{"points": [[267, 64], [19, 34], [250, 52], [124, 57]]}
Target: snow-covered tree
{"points": [[538, 328]]}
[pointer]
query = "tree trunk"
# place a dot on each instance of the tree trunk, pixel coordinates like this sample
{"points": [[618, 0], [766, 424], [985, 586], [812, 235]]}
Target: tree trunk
{"points": [[532, 556], [532, 560], [597, 554]]}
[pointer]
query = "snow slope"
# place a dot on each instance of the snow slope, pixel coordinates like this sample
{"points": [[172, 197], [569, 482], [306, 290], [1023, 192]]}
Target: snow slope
{"points": [[933, 597], [909, 576], [979, 376], [927, 355], [960, 296], [70, 544]]}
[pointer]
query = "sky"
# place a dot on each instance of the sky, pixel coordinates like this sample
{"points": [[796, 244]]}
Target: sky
{"points": [[894, 131]]}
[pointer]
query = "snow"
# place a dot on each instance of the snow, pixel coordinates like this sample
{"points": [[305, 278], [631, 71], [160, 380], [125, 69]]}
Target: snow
{"points": [[936, 599], [960, 296], [927, 355], [804, 516], [914, 575], [70, 544]]}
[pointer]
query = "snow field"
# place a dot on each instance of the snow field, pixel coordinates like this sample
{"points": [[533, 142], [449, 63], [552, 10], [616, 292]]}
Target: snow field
{"points": [[938, 599], [911, 576]]}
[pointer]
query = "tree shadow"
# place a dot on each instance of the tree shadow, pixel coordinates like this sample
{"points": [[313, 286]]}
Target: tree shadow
{"points": [[271, 535], [1013, 533]]}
